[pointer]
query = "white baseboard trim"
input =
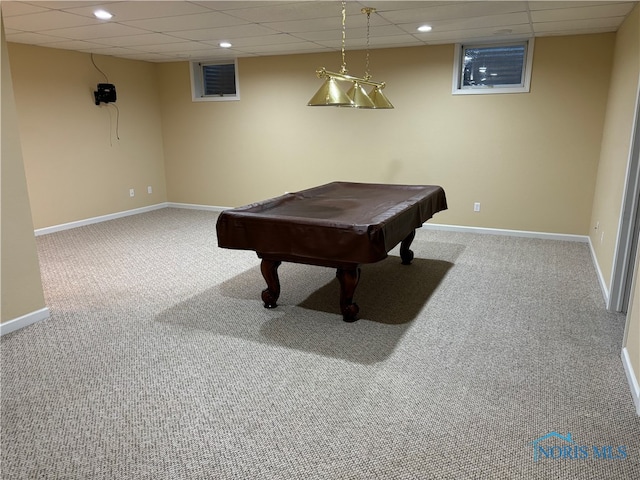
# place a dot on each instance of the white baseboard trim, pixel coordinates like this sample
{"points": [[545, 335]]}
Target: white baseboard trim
{"points": [[101, 218], [632, 379], [426, 226], [529, 234], [214, 208], [193, 206], [510, 233], [24, 321], [603, 284]]}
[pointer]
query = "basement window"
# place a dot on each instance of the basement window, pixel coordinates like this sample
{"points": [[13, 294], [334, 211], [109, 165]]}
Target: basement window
{"points": [[493, 68], [214, 81]]}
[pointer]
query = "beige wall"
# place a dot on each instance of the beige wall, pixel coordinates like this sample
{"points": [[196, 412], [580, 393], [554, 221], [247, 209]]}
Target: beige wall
{"points": [[530, 159], [632, 339], [612, 167], [75, 164], [616, 141], [614, 159], [21, 287]]}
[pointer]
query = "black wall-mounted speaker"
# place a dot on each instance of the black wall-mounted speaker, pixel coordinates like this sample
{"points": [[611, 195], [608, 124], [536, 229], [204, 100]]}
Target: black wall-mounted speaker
{"points": [[106, 93]]}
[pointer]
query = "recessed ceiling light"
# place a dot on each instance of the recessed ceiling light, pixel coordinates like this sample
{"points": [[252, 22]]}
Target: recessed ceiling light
{"points": [[103, 15], [225, 44], [424, 28]]}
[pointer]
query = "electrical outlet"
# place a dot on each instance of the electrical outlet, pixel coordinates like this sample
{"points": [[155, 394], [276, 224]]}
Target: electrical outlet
{"points": [[476, 207], [149, 189], [132, 192]]}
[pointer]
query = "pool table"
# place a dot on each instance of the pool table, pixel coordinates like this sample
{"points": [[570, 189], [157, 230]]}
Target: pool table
{"points": [[339, 225]]}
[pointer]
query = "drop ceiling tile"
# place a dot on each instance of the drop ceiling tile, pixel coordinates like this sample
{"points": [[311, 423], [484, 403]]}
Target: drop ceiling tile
{"points": [[383, 6], [474, 22], [174, 47], [135, 40], [453, 10], [211, 55], [10, 9], [320, 35], [236, 4], [31, 38], [288, 47], [146, 57], [316, 25], [112, 51], [600, 11], [395, 41], [550, 5], [275, 39], [588, 31], [186, 22], [361, 44], [59, 5], [291, 11], [103, 30], [225, 33], [571, 25], [297, 51], [139, 10], [78, 45], [485, 34], [302, 24], [44, 20], [384, 30]]}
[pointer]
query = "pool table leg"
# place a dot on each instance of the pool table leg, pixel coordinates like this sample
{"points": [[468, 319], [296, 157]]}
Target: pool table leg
{"points": [[405, 253], [269, 269], [348, 278]]}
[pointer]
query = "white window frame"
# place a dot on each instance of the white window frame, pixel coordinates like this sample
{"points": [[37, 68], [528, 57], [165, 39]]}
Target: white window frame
{"points": [[197, 81], [524, 87]]}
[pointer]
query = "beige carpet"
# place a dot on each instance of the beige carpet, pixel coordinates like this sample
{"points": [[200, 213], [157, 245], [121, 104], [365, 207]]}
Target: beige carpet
{"points": [[159, 362]]}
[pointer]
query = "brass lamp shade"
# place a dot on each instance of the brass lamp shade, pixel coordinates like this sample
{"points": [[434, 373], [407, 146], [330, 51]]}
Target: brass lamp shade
{"points": [[359, 96], [379, 100], [330, 95]]}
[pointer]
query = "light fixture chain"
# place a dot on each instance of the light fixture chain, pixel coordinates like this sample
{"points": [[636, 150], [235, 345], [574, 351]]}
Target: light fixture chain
{"points": [[343, 69], [330, 93], [367, 75]]}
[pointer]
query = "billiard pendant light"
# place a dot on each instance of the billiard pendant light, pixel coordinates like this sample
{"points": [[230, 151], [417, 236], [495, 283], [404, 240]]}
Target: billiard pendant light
{"points": [[375, 99], [330, 93], [379, 99], [359, 96]]}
